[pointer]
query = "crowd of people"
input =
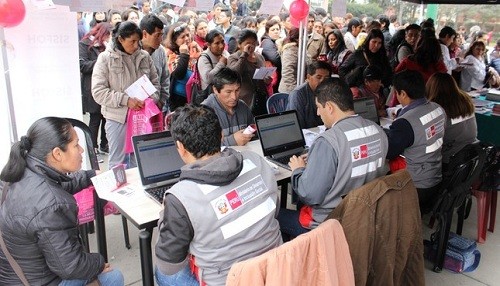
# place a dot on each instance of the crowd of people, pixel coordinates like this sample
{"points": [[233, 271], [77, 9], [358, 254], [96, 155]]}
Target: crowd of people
{"points": [[201, 233]]}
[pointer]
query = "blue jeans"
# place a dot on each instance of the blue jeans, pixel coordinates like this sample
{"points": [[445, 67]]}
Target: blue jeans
{"points": [[183, 277], [289, 224], [111, 278]]}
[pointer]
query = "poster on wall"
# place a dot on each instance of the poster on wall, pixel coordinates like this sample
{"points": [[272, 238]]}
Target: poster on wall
{"points": [[44, 67]]}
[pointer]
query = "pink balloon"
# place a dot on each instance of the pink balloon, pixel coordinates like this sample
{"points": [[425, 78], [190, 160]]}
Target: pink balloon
{"points": [[12, 13], [295, 22], [299, 9]]}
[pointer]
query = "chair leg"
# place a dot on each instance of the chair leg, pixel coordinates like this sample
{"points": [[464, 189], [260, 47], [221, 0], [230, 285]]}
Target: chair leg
{"points": [[125, 232], [483, 201], [493, 210], [444, 234], [461, 217]]}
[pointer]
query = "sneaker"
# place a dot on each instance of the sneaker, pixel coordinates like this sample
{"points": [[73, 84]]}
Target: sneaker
{"points": [[105, 149]]}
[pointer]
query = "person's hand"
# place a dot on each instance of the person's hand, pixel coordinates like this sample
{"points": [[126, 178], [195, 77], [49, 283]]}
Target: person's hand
{"points": [[184, 49], [241, 138], [134, 103], [223, 60], [297, 162], [268, 80], [249, 49], [107, 268]]}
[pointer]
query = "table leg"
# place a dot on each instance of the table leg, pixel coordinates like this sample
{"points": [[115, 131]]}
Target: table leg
{"points": [[284, 193], [100, 226], [146, 257]]}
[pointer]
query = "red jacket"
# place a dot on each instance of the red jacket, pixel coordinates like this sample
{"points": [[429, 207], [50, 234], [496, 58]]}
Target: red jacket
{"points": [[407, 64]]}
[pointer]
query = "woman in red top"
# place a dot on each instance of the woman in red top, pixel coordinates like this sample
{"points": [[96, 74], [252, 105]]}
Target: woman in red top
{"points": [[428, 58]]}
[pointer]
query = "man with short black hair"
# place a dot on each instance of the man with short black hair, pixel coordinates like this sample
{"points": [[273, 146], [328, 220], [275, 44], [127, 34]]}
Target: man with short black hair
{"points": [[234, 115], [315, 42], [221, 211], [417, 134], [446, 37], [229, 30], [301, 98], [350, 153], [152, 32], [408, 45]]}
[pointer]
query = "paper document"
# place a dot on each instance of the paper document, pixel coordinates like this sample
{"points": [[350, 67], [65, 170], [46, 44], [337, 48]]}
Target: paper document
{"points": [[109, 181], [264, 72], [141, 88]]}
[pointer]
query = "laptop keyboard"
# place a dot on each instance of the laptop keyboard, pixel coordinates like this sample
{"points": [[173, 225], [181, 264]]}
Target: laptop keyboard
{"points": [[158, 193], [283, 161]]}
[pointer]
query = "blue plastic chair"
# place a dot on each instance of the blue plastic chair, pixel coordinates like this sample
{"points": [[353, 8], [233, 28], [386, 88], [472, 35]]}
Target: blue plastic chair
{"points": [[277, 102]]}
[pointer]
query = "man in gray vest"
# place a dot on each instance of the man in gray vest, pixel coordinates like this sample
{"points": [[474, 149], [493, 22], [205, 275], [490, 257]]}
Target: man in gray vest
{"points": [[221, 211], [417, 134], [346, 156]]}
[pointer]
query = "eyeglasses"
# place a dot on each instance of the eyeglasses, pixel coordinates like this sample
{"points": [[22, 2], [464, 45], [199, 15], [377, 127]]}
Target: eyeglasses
{"points": [[180, 28]]}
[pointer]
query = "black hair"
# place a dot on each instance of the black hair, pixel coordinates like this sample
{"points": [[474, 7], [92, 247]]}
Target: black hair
{"points": [[198, 22], [42, 137], [427, 53], [226, 76], [125, 30], [411, 82], [149, 23], [383, 19], [320, 11], [312, 67], [354, 22], [198, 129], [340, 42], [336, 91], [248, 20], [413, 27], [245, 34], [228, 12], [126, 13], [210, 37], [447, 31], [375, 33]]}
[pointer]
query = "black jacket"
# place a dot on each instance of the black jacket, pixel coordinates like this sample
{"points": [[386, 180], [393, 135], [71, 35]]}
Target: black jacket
{"points": [[39, 224], [88, 58]]}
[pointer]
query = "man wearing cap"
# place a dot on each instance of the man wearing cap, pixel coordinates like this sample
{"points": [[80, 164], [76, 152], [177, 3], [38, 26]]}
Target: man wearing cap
{"points": [[372, 87]]}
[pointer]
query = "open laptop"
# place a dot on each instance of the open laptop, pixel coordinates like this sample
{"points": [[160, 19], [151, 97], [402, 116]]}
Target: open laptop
{"points": [[366, 108], [158, 161], [280, 136]]}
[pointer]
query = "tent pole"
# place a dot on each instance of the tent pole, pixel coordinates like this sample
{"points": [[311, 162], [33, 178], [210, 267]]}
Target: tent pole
{"points": [[12, 116]]}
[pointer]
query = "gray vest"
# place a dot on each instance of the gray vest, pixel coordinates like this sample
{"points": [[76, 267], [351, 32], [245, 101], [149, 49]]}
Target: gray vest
{"points": [[423, 158], [458, 133], [361, 147], [233, 222]]}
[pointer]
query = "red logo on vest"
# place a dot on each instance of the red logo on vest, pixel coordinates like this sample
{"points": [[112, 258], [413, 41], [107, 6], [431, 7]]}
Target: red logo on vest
{"points": [[233, 199], [364, 151]]}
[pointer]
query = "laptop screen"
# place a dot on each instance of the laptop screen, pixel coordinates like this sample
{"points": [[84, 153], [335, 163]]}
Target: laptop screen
{"points": [[279, 132], [157, 157], [366, 108]]}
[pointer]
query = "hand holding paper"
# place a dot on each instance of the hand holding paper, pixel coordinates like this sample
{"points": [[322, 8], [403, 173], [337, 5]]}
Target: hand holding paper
{"points": [[264, 72], [141, 88]]}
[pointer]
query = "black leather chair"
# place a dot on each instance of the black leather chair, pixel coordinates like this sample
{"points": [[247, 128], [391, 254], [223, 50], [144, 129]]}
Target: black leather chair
{"points": [[464, 168]]}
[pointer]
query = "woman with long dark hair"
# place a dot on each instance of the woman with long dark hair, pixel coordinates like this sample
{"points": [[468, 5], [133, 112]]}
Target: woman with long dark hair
{"points": [[461, 127], [371, 52], [39, 217], [118, 67], [90, 47], [336, 50], [270, 50]]}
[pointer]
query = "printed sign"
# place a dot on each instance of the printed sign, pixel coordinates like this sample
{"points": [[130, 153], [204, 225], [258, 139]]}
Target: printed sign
{"points": [[365, 150]]}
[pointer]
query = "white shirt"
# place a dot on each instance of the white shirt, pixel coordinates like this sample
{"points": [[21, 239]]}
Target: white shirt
{"points": [[450, 63]]}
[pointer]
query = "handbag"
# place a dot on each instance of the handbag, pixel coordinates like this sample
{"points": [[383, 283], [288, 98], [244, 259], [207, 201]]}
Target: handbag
{"points": [[147, 120], [195, 93]]}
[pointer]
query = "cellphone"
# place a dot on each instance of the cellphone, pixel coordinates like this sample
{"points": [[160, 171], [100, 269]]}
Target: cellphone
{"points": [[250, 129]]}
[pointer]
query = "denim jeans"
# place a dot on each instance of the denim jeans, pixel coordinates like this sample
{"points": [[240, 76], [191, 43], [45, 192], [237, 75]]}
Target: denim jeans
{"points": [[289, 224], [183, 277], [111, 278]]}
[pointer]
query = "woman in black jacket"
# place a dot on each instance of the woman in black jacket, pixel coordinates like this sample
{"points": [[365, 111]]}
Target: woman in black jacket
{"points": [[371, 52], [38, 218], [91, 45], [270, 50]]}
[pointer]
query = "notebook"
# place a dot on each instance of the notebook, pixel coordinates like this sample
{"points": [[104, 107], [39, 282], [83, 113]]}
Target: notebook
{"points": [[158, 161], [366, 108], [280, 136]]}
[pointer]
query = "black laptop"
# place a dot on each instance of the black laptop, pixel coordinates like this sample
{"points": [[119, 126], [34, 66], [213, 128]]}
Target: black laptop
{"points": [[158, 161], [366, 108], [280, 136]]}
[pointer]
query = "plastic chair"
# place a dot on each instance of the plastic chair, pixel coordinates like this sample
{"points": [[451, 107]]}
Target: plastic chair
{"points": [[465, 167], [87, 228], [485, 191], [277, 103]]}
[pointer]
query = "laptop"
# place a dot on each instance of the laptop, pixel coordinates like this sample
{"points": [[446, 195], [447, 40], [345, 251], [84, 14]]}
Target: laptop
{"points": [[280, 136], [158, 161], [366, 108]]}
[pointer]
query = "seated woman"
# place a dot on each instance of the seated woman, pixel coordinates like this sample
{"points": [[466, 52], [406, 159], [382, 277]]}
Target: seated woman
{"points": [[474, 73], [38, 218], [372, 87], [460, 127]]}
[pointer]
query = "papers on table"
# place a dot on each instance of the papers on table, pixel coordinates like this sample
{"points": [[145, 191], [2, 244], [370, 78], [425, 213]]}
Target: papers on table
{"points": [[264, 72], [141, 88], [310, 136], [112, 185]]}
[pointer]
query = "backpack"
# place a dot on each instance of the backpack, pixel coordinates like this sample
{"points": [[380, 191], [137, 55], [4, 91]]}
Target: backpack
{"points": [[394, 60], [195, 94]]}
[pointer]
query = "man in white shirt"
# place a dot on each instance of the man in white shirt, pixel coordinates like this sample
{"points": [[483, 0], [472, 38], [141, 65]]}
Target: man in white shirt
{"points": [[446, 37]]}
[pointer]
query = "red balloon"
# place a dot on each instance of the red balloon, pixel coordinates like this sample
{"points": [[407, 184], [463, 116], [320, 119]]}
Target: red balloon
{"points": [[295, 22], [12, 13], [299, 9]]}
